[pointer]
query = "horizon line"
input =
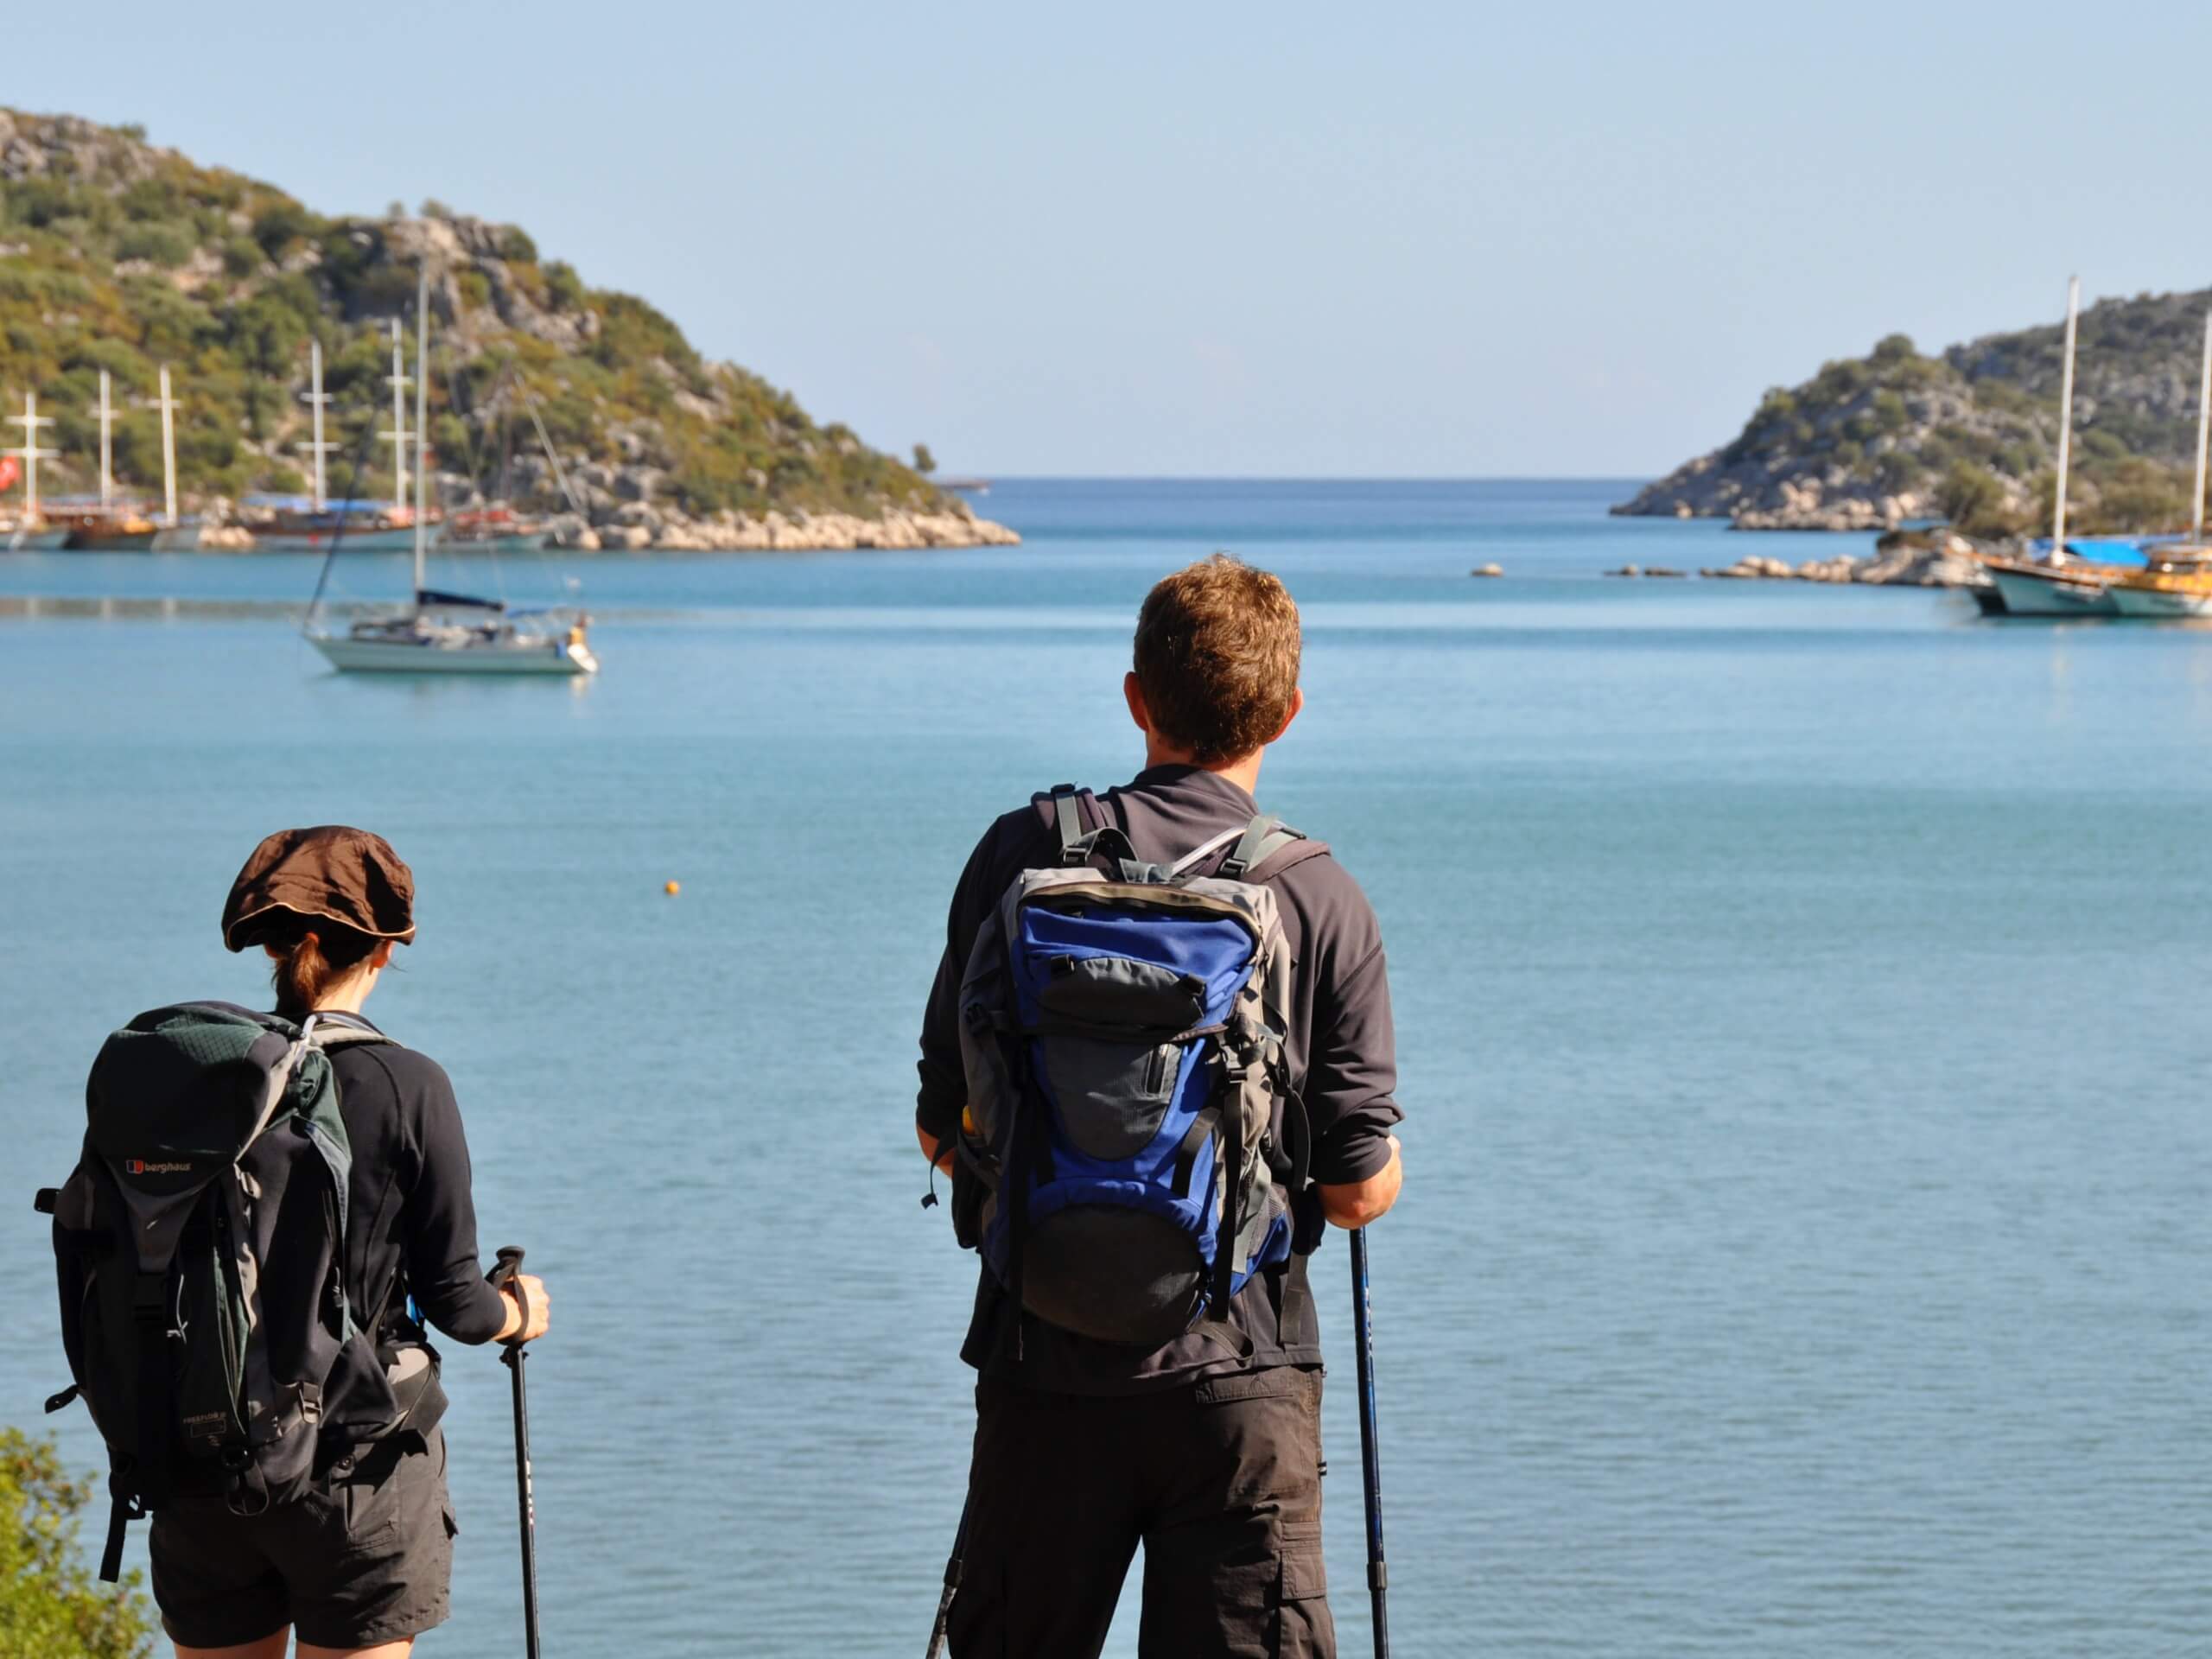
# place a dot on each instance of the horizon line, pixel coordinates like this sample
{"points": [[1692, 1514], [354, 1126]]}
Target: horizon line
{"points": [[1288, 478]]}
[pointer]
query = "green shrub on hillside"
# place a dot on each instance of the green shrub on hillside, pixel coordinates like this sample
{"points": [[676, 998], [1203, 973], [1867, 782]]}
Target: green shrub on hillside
{"points": [[51, 1605], [237, 278]]}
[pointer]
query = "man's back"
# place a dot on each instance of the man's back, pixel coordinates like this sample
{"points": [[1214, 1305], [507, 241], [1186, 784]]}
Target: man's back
{"points": [[1338, 1044]]}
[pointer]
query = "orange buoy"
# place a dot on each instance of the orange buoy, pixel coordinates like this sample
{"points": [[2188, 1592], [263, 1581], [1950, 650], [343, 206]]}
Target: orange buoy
{"points": [[673, 889]]}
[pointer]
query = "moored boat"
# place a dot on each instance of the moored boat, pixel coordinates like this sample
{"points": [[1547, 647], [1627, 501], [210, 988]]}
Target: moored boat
{"points": [[296, 525], [498, 529], [450, 633], [106, 529], [2069, 589], [34, 536], [2177, 584], [444, 633]]}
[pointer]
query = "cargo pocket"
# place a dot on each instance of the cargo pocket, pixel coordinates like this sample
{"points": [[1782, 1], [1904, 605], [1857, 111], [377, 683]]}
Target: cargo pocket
{"points": [[1304, 1627]]}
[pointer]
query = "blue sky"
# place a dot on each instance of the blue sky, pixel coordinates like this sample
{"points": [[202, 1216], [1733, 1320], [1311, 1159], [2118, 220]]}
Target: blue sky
{"points": [[1437, 240]]}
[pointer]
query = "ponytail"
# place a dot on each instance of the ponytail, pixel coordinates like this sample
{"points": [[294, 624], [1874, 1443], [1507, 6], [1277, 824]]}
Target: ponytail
{"points": [[311, 963]]}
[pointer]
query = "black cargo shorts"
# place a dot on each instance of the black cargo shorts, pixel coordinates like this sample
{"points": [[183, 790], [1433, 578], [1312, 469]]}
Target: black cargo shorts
{"points": [[366, 1558], [1220, 1480]]}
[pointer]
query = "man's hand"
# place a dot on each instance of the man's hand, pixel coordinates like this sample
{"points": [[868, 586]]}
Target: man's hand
{"points": [[521, 1326], [1354, 1204]]}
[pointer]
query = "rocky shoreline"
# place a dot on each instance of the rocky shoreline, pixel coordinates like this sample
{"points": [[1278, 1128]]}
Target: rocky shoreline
{"points": [[219, 530], [1901, 559]]}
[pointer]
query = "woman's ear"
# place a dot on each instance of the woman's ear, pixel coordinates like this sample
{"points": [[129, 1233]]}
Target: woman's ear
{"points": [[381, 957], [275, 955]]}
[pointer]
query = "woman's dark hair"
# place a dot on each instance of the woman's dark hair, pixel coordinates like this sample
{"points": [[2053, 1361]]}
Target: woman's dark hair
{"points": [[313, 957]]}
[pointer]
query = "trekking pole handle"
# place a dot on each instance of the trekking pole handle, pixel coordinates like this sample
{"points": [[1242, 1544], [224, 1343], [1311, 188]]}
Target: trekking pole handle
{"points": [[504, 1275]]}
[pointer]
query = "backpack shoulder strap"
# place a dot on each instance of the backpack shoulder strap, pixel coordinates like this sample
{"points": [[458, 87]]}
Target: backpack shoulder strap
{"points": [[1267, 841], [1075, 816], [342, 1030]]}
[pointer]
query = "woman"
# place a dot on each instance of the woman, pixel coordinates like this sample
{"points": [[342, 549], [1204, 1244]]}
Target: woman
{"points": [[361, 1565]]}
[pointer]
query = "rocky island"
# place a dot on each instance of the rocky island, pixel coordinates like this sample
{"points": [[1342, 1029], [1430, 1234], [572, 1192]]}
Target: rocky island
{"points": [[1970, 436], [119, 255]]}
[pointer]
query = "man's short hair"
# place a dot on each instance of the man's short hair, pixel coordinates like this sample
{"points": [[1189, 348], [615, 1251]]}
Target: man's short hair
{"points": [[1217, 659]]}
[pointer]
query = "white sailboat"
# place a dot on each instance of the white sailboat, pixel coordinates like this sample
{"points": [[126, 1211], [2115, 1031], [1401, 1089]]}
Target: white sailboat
{"points": [[2058, 586], [448, 633]]}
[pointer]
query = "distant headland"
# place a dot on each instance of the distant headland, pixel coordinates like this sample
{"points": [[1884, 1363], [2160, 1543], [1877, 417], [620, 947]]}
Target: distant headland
{"points": [[1970, 436], [118, 256]]}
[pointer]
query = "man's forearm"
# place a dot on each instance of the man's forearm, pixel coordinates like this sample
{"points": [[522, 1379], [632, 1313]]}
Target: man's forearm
{"points": [[1354, 1204]]}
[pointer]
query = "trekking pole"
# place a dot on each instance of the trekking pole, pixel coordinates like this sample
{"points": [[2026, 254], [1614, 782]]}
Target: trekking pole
{"points": [[952, 1566], [1370, 1462], [517, 1351]]}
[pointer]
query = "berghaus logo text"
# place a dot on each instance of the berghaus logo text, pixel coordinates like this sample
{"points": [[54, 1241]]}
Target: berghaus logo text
{"points": [[152, 1167]]}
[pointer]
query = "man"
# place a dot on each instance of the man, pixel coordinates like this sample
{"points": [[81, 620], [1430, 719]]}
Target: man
{"points": [[1206, 1449]]}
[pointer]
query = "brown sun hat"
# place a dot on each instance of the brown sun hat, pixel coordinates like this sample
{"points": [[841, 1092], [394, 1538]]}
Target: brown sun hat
{"points": [[331, 872]]}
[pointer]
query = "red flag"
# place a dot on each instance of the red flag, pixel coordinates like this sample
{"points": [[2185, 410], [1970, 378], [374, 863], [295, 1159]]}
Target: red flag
{"points": [[8, 472]]}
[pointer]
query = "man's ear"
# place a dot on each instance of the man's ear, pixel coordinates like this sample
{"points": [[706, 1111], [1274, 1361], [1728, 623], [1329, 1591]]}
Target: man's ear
{"points": [[1297, 705], [1134, 694]]}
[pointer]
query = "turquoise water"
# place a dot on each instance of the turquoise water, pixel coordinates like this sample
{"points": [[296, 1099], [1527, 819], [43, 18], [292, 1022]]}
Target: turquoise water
{"points": [[1801, 1016]]}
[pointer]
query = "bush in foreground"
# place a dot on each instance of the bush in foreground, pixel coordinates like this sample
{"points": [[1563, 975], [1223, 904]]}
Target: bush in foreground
{"points": [[51, 1606]]}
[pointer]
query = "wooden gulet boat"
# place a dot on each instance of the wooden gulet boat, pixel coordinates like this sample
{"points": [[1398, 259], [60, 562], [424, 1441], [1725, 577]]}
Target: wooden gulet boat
{"points": [[2060, 586], [2178, 582], [289, 525]]}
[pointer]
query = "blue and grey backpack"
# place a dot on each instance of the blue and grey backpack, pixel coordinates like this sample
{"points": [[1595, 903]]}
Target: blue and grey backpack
{"points": [[1122, 1031]]}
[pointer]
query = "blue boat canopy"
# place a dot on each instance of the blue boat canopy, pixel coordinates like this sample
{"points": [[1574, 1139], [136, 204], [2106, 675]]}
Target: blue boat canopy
{"points": [[2104, 549], [306, 504]]}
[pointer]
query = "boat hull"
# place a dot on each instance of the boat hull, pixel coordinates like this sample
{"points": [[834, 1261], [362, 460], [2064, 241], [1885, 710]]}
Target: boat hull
{"points": [[113, 540], [528, 541], [352, 655], [2161, 603], [2036, 593], [46, 538], [353, 541]]}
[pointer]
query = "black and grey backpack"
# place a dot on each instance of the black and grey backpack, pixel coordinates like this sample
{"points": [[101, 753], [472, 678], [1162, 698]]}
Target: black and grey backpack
{"points": [[199, 1246]]}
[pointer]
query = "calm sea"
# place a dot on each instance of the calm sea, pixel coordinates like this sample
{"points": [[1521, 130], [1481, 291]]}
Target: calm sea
{"points": [[1801, 995]]}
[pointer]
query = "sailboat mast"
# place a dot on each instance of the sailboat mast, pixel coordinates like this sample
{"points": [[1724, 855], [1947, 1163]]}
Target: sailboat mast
{"points": [[168, 454], [316, 398], [107, 423], [30, 420], [422, 413], [2065, 424], [397, 435], [2203, 436]]}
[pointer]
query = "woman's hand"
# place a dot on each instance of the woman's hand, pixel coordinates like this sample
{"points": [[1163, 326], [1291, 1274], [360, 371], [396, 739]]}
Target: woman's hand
{"points": [[528, 1317]]}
